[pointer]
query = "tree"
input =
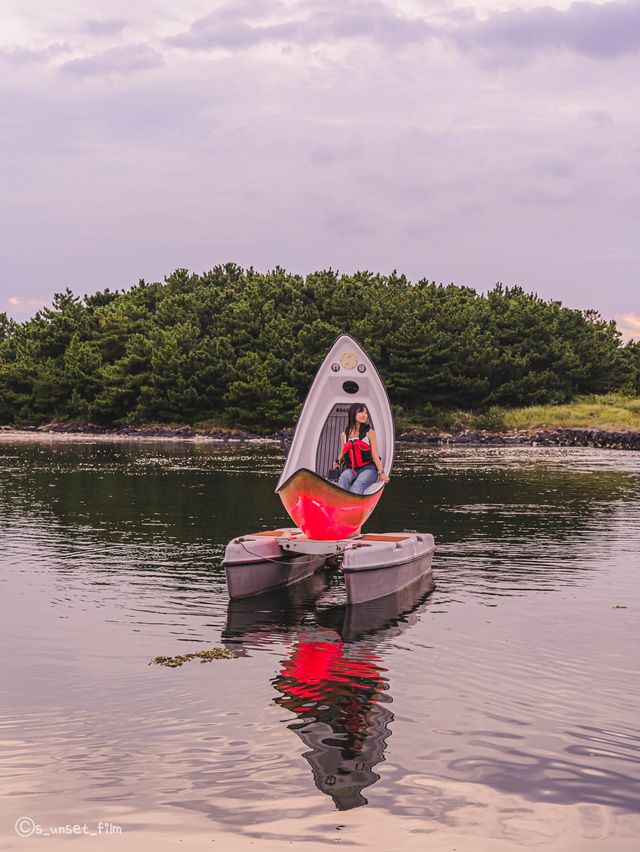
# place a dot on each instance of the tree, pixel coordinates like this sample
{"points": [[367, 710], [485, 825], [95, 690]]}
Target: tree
{"points": [[254, 401], [243, 346]]}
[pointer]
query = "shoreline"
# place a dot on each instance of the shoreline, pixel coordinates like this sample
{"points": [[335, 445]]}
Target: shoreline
{"points": [[542, 437]]}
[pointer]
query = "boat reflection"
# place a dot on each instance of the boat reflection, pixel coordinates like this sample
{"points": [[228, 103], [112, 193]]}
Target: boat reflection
{"points": [[337, 693], [334, 679], [261, 619], [380, 619]]}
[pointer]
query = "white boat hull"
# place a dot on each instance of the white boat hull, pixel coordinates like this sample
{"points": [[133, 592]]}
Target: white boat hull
{"points": [[377, 569], [259, 577], [256, 563], [374, 565]]}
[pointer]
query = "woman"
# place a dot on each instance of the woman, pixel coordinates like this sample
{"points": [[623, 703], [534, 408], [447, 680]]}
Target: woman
{"points": [[360, 450]]}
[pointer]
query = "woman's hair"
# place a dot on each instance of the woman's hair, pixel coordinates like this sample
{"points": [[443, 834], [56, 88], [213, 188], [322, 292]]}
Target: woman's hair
{"points": [[354, 408]]}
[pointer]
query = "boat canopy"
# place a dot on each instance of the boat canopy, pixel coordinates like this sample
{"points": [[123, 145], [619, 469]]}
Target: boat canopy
{"points": [[346, 375]]}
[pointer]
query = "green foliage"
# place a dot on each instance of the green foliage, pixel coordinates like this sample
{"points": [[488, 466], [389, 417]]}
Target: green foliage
{"points": [[240, 348], [632, 357], [493, 420], [256, 399]]}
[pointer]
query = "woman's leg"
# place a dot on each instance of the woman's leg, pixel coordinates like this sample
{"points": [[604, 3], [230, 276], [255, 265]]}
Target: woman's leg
{"points": [[346, 478], [364, 479]]}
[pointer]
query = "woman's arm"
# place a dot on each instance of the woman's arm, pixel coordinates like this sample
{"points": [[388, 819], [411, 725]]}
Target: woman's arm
{"points": [[376, 456], [343, 441]]}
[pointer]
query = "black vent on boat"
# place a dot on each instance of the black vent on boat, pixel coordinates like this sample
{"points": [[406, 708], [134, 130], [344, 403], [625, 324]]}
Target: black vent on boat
{"points": [[350, 387], [329, 443]]}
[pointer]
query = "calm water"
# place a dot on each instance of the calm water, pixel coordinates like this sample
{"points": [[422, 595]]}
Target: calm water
{"points": [[498, 713]]}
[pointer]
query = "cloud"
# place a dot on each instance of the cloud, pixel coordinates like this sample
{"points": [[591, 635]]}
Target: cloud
{"points": [[104, 28], [116, 60], [33, 56], [330, 154], [352, 154], [599, 118], [553, 167], [234, 26], [596, 30], [629, 325]]}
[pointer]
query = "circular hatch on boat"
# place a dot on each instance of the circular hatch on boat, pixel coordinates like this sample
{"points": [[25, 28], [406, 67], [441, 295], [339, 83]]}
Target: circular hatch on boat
{"points": [[350, 387], [349, 360]]}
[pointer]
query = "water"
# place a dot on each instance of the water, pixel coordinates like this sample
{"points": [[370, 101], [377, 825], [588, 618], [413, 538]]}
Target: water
{"points": [[500, 712]]}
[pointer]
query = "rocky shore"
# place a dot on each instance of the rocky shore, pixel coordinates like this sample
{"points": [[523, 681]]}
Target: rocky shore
{"points": [[543, 437]]}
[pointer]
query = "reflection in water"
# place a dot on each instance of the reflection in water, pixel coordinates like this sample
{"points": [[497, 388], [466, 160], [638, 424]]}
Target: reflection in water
{"points": [[336, 691], [261, 618], [333, 678]]}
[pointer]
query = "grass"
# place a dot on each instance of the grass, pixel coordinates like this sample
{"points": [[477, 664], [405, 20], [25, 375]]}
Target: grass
{"points": [[611, 412]]}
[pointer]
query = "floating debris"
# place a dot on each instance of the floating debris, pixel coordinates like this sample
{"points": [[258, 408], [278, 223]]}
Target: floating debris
{"points": [[204, 656]]}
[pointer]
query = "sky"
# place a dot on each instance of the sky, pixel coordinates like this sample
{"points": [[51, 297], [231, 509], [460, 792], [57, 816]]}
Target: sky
{"points": [[459, 142]]}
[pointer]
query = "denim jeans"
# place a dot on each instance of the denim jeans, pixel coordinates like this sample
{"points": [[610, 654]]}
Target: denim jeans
{"points": [[357, 482]]}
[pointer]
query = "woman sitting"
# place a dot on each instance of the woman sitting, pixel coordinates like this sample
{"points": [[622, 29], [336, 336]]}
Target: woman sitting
{"points": [[359, 452]]}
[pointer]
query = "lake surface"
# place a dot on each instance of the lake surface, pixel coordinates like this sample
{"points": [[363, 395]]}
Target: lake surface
{"points": [[498, 713]]}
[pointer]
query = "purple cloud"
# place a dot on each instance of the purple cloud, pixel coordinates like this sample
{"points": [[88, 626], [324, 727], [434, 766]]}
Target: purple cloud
{"points": [[329, 154], [598, 117], [324, 22], [598, 30], [601, 31], [554, 167], [104, 28], [251, 8], [33, 56], [116, 60]]}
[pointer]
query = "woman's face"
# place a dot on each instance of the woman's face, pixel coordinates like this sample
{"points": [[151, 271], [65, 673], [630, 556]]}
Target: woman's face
{"points": [[362, 416]]}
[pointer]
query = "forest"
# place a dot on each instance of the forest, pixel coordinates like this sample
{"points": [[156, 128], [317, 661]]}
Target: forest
{"points": [[239, 348]]}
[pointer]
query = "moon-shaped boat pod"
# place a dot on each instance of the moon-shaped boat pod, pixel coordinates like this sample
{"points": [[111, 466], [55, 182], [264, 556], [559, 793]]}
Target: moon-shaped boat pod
{"points": [[321, 509]]}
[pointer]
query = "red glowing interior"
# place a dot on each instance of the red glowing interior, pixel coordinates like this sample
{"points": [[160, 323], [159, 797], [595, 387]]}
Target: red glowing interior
{"points": [[327, 514]]}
